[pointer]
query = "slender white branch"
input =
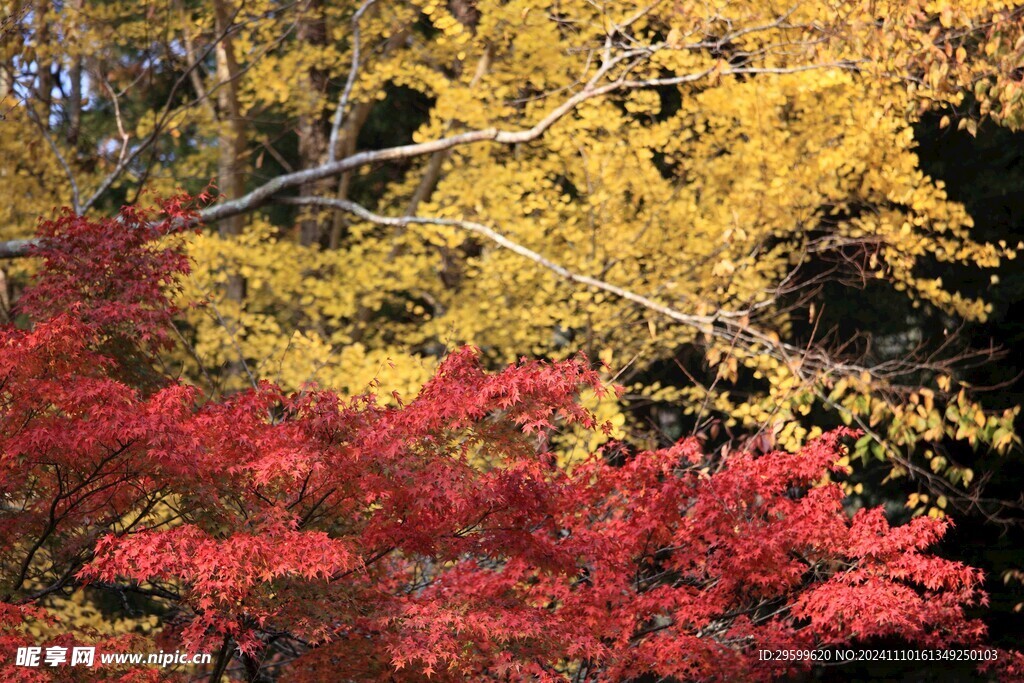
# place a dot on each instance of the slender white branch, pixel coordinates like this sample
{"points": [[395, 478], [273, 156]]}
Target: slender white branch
{"points": [[731, 326], [122, 158], [501, 240], [591, 90], [261, 194], [346, 93]]}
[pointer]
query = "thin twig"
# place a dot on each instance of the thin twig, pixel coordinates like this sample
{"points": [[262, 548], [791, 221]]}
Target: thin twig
{"points": [[234, 342]]}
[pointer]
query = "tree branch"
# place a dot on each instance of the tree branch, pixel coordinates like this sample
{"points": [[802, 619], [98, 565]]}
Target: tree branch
{"points": [[591, 90], [731, 326], [262, 194], [339, 114]]}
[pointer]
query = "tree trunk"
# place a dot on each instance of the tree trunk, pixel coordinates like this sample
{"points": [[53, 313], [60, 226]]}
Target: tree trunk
{"points": [[232, 126], [346, 148], [313, 122], [44, 73], [230, 179], [74, 105]]}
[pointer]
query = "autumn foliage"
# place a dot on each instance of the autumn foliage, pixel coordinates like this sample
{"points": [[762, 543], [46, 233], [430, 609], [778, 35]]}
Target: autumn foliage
{"points": [[318, 537]]}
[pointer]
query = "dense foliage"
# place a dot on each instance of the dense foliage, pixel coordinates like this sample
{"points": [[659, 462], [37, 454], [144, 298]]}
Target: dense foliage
{"points": [[322, 537], [684, 177], [767, 221]]}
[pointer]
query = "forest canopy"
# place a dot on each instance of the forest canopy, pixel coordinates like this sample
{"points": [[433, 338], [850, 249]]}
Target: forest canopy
{"points": [[723, 206], [308, 536]]}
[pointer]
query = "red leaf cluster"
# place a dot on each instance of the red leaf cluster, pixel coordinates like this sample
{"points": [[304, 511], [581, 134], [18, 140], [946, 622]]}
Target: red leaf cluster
{"points": [[347, 540], [112, 272]]}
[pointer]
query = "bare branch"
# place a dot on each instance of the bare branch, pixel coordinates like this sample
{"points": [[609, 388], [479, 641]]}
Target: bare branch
{"points": [[339, 114], [731, 326], [501, 240], [18, 248], [592, 89], [122, 158], [75, 197], [262, 194], [230, 329]]}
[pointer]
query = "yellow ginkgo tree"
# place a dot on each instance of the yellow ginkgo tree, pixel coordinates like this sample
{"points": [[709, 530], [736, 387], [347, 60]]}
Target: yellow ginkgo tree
{"points": [[656, 183]]}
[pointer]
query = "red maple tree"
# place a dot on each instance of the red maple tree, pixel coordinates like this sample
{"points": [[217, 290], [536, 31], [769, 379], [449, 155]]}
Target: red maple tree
{"points": [[308, 536]]}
